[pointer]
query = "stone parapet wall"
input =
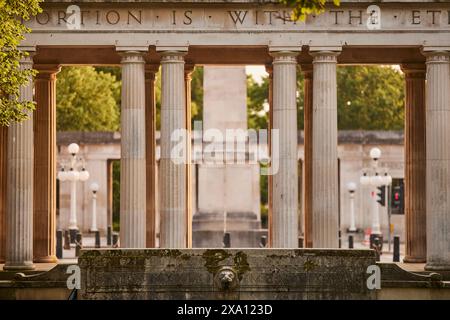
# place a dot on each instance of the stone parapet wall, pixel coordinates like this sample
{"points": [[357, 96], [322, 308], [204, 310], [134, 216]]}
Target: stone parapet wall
{"points": [[225, 274]]}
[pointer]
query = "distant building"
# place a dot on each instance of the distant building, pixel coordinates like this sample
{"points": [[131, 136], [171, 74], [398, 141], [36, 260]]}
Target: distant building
{"points": [[99, 149]]}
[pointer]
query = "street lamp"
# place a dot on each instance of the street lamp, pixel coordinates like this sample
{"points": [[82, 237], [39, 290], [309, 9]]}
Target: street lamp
{"points": [[73, 175], [375, 181], [351, 187], [94, 188]]}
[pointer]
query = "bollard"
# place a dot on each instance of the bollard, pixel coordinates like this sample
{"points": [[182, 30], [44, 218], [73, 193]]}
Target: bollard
{"points": [[396, 256], [108, 235], [59, 244], [376, 247], [263, 242], [115, 240], [300, 242], [350, 242], [379, 242], [73, 235], [79, 244], [97, 239], [340, 239], [226, 240], [66, 240]]}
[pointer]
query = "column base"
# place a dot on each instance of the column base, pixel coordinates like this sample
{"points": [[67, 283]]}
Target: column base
{"points": [[437, 267], [410, 259], [46, 259], [28, 265]]}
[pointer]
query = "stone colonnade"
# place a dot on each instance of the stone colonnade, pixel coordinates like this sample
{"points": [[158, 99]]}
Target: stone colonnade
{"points": [[427, 146]]}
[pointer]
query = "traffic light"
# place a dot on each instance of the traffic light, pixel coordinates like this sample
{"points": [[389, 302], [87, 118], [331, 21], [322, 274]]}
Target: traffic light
{"points": [[381, 195], [397, 199]]}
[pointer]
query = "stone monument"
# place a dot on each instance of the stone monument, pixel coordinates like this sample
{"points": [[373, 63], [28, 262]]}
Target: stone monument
{"points": [[228, 193]]}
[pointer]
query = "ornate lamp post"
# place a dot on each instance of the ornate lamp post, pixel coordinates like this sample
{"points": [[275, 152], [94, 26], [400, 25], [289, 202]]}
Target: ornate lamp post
{"points": [[73, 175], [351, 187], [376, 180], [94, 188]]}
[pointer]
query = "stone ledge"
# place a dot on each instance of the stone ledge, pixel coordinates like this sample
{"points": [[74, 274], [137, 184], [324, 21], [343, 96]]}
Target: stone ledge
{"points": [[393, 276]]}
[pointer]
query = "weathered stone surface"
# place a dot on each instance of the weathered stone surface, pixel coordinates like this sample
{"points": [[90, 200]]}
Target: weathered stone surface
{"points": [[393, 276], [35, 284], [225, 274]]}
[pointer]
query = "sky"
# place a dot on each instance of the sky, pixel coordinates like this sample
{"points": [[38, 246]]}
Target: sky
{"points": [[258, 72]]}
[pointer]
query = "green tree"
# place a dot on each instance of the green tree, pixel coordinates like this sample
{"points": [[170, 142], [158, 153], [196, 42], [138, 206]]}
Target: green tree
{"points": [[257, 103], [87, 100], [114, 71], [12, 31], [257, 100], [368, 97], [197, 95], [302, 8]]}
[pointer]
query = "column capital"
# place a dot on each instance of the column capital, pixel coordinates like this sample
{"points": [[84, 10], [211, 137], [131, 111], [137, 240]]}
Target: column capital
{"points": [[284, 57], [30, 49], [414, 70], [143, 48], [161, 49], [132, 56], [439, 56], [172, 56], [324, 56], [27, 61], [313, 49], [46, 71]]}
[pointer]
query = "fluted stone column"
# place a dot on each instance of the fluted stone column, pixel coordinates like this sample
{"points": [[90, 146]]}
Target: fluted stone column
{"points": [[438, 160], [19, 214], [132, 162], [284, 182], [44, 242], [325, 200], [172, 173], [307, 143], [188, 69], [150, 143], [3, 188], [269, 70], [415, 163]]}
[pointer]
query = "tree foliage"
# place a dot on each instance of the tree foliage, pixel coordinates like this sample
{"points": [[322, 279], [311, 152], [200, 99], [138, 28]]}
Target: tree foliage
{"points": [[302, 8], [12, 31], [87, 100], [197, 94], [368, 97]]}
